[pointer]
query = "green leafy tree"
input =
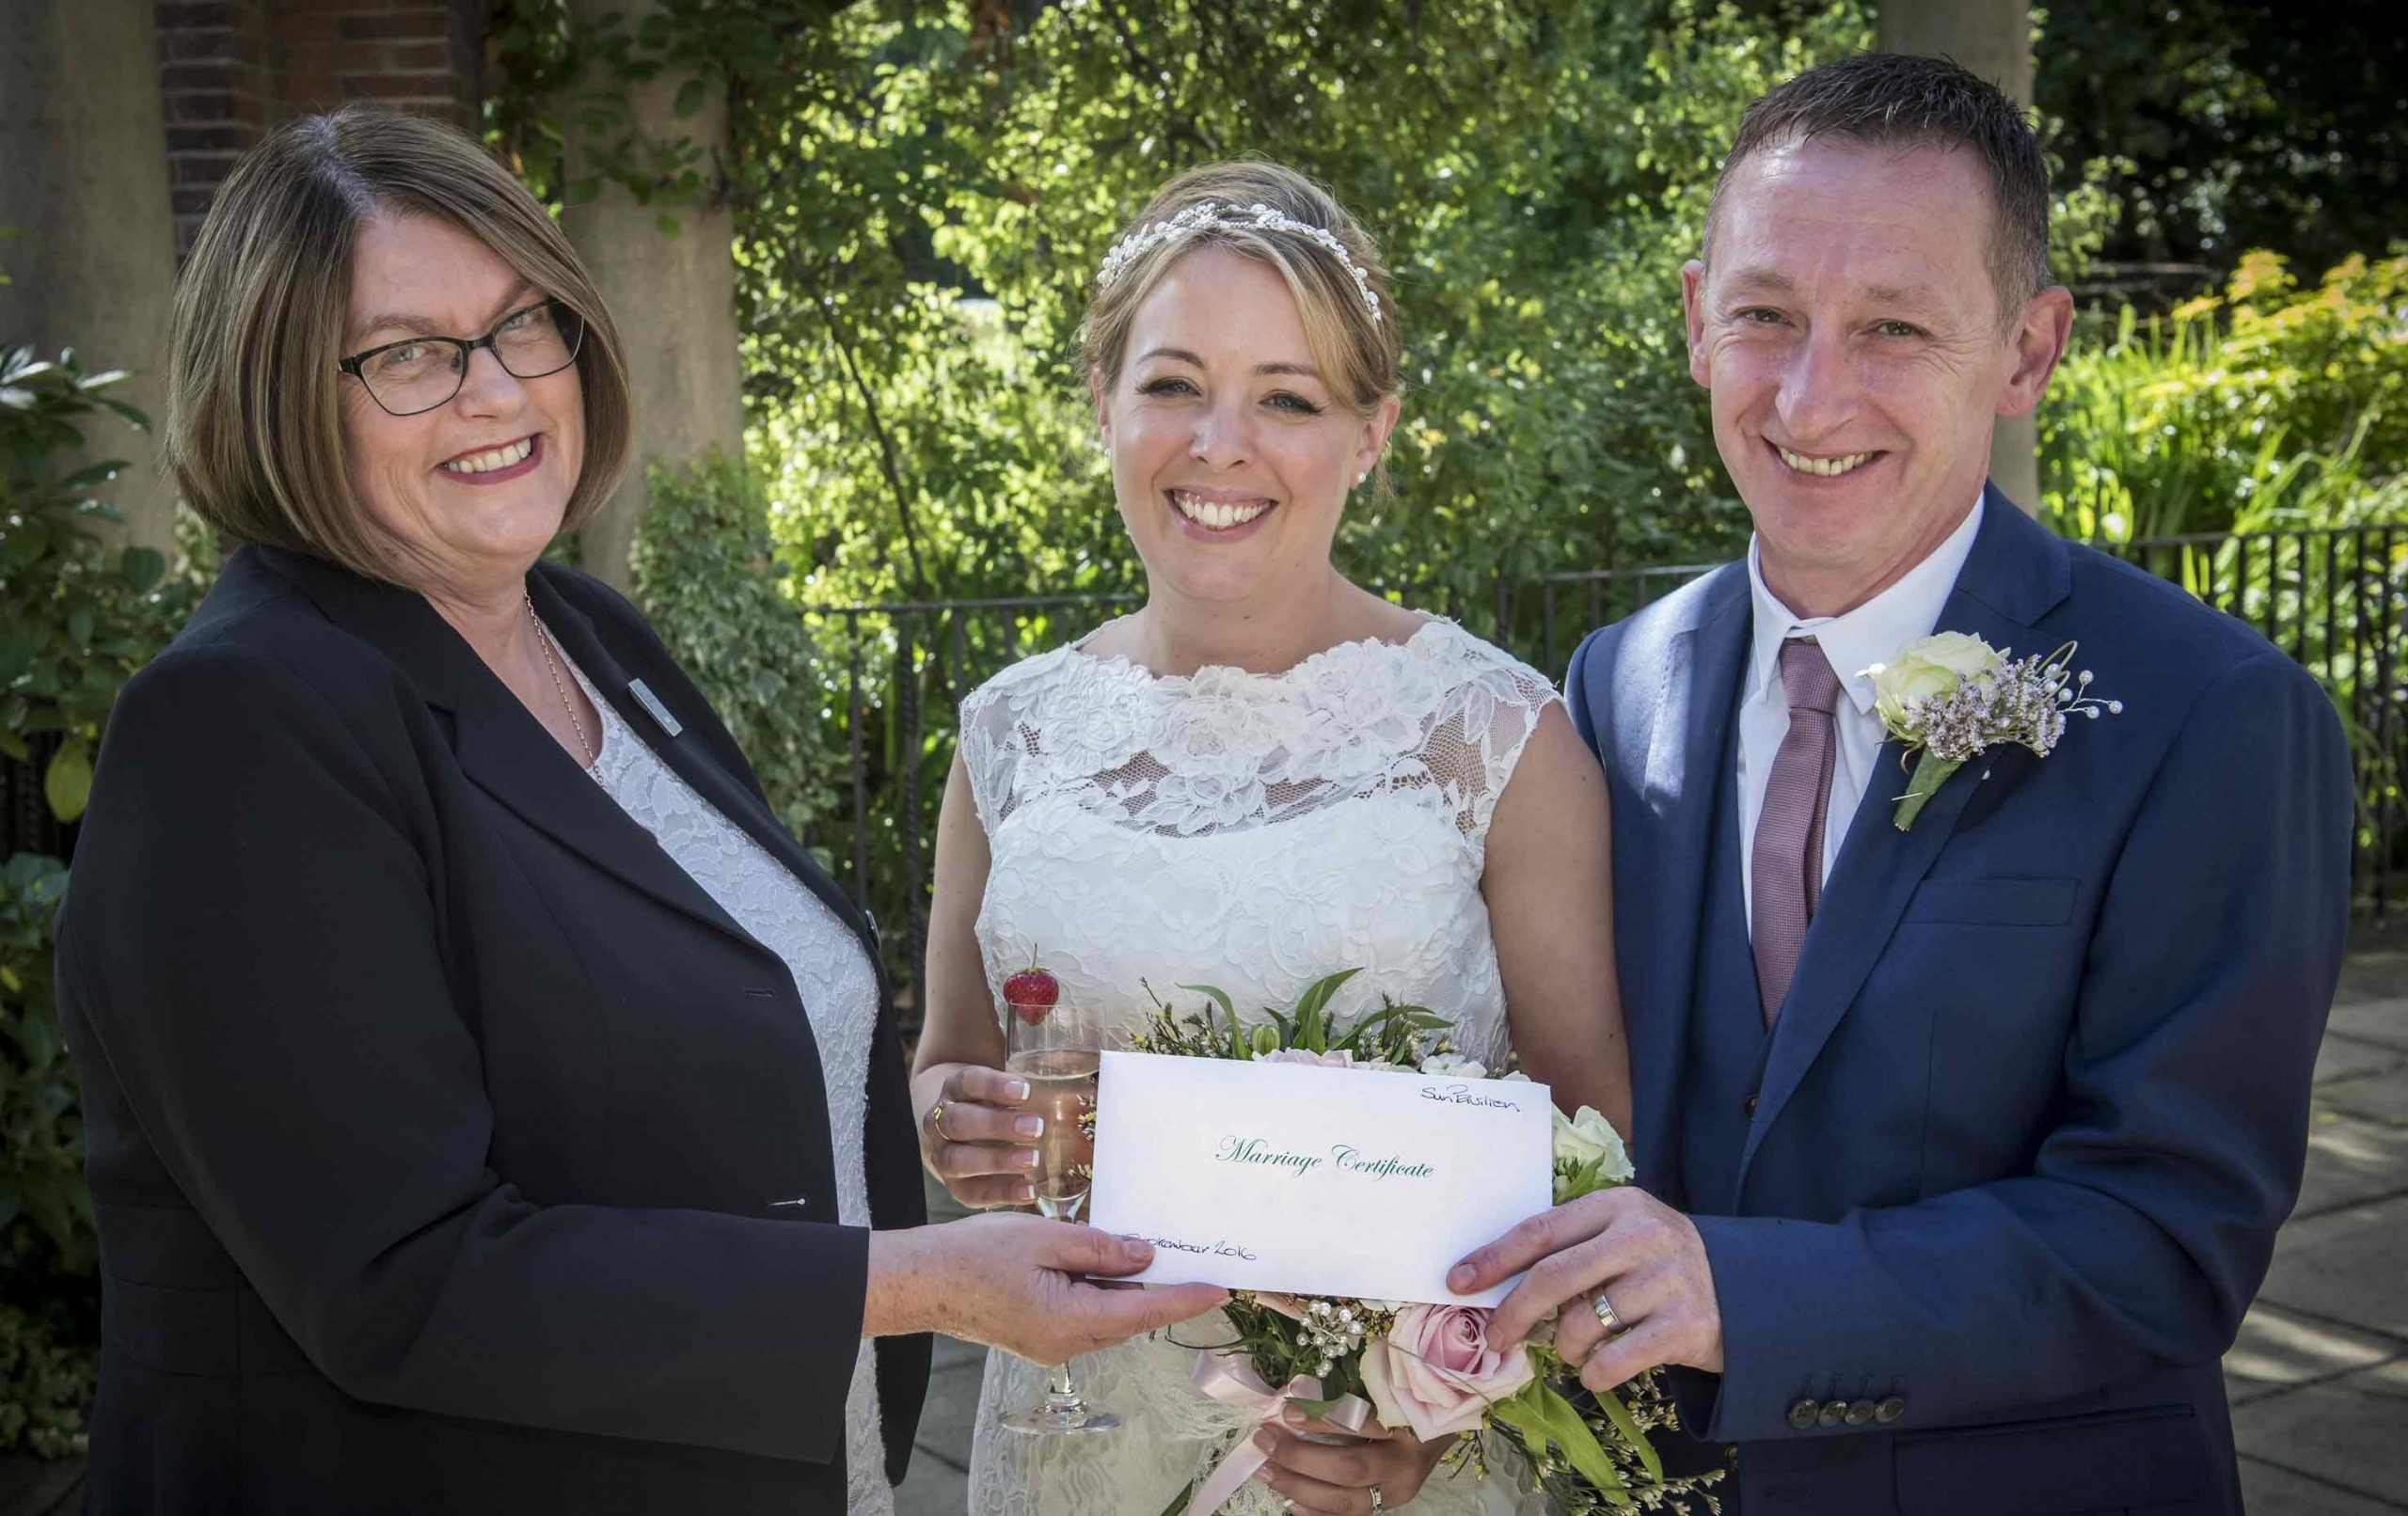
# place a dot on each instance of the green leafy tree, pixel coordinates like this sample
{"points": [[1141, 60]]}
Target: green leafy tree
{"points": [[918, 236], [2217, 126]]}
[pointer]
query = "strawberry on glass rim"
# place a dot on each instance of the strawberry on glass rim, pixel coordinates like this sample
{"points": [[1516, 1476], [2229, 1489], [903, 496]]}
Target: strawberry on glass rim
{"points": [[1032, 992]]}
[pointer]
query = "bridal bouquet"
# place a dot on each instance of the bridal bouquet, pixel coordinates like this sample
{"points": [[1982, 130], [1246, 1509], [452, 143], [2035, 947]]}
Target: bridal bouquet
{"points": [[1426, 1369]]}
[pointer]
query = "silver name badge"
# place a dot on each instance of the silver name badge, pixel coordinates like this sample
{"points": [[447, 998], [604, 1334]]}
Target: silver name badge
{"points": [[651, 702]]}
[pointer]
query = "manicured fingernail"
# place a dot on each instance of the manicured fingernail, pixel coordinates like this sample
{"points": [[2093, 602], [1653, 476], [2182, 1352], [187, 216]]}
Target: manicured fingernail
{"points": [[1458, 1278], [1024, 1193], [1015, 1090], [1267, 1440], [1141, 1252], [1024, 1159], [1031, 1127], [1294, 1415]]}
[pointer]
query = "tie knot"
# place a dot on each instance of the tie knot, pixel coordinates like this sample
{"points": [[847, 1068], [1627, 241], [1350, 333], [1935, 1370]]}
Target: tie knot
{"points": [[1807, 677]]}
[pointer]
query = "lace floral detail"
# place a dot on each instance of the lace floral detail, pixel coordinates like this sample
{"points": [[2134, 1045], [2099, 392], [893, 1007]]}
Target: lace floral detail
{"points": [[1253, 831], [834, 977], [1225, 748]]}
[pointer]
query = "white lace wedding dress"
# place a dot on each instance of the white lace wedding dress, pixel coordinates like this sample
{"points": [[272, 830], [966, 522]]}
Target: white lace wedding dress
{"points": [[1253, 831]]}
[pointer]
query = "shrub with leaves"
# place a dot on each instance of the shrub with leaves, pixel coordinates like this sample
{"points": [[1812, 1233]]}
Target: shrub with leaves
{"points": [[2269, 407], [705, 578], [77, 617], [50, 1321]]}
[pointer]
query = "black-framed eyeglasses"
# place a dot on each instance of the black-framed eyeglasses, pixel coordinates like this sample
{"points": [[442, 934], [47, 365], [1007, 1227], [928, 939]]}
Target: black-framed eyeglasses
{"points": [[420, 374]]}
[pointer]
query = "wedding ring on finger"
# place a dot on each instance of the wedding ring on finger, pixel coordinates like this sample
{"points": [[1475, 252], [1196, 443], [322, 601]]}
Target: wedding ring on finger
{"points": [[1379, 1502], [1608, 1317], [935, 1118]]}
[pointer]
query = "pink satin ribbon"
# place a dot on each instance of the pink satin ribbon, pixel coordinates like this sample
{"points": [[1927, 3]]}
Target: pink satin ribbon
{"points": [[1233, 1382]]}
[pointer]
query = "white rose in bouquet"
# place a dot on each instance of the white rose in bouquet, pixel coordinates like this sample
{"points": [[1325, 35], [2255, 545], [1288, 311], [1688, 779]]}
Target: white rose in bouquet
{"points": [[1451, 1065], [1588, 1154]]}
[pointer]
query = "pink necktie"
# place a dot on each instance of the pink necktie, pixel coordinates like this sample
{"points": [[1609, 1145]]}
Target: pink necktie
{"points": [[1785, 875]]}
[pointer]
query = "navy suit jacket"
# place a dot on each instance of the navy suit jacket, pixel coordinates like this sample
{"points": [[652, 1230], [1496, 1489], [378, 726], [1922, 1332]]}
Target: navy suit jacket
{"points": [[2038, 1102]]}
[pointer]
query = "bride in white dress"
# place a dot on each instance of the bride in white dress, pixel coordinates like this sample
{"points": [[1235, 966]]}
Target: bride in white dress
{"points": [[1263, 776]]}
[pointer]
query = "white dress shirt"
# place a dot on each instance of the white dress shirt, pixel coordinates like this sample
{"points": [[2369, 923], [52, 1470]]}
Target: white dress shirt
{"points": [[1870, 634]]}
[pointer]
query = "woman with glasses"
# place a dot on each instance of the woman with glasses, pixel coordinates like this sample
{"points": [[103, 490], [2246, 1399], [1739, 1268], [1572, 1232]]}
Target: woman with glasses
{"points": [[490, 1107]]}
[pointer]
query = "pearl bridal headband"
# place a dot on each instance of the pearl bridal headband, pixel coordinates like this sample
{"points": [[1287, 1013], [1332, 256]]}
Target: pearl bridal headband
{"points": [[1210, 214]]}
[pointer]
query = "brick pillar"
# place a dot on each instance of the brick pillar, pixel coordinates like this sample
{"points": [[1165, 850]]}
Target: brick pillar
{"points": [[424, 56], [230, 69], [218, 94]]}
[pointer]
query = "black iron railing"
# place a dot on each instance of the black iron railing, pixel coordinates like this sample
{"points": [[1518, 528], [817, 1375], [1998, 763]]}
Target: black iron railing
{"points": [[2332, 600], [893, 675]]}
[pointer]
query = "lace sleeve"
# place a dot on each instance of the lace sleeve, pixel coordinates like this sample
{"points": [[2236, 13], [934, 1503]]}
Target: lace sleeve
{"points": [[989, 753], [1478, 734], [999, 723]]}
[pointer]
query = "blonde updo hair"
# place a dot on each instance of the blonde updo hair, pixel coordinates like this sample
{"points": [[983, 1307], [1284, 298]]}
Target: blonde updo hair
{"points": [[1358, 356]]}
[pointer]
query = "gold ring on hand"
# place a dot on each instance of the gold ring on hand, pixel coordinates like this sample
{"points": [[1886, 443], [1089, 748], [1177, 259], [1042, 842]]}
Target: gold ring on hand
{"points": [[936, 1119]]}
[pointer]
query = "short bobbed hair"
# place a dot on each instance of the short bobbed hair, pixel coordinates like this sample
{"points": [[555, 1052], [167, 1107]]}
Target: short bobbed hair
{"points": [[1902, 102], [254, 416], [1357, 355]]}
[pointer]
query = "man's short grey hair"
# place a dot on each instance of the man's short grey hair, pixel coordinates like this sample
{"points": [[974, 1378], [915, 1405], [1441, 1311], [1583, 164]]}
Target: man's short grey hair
{"points": [[1901, 102]]}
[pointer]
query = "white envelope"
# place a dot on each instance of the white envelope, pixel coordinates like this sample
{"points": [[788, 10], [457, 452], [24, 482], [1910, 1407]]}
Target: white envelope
{"points": [[1315, 1181]]}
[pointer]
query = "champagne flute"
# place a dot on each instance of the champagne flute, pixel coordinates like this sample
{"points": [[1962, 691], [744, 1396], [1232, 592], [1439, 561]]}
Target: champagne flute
{"points": [[1058, 1049]]}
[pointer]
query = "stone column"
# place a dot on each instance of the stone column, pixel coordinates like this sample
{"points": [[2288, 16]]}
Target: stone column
{"points": [[672, 293], [1993, 38], [83, 182]]}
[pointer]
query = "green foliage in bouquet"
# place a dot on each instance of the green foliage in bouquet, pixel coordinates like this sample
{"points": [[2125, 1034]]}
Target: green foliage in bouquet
{"points": [[1396, 1035]]}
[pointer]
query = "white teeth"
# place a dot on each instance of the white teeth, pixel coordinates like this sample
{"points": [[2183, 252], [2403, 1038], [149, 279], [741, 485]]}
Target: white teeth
{"points": [[1827, 468], [485, 462], [1218, 514]]}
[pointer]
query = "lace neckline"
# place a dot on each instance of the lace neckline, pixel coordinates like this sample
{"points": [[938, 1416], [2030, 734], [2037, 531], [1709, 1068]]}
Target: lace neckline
{"points": [[1223, 675]]}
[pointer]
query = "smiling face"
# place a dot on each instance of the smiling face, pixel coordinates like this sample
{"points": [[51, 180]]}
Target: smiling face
{"points": [[477, 487], [1848, 324], [1231, 456]]}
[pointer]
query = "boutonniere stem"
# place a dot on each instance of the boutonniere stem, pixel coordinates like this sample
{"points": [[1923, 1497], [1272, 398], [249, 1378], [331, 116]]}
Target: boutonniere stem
{"points": [[1931, 771]]}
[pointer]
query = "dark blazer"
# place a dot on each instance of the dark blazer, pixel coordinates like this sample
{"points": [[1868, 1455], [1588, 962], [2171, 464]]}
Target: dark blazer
{"points": [[2038, 1101], [452, 1149]]}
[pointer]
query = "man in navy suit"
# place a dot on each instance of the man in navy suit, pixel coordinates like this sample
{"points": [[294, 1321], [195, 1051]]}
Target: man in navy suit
{"points": [[1962, 1146]]}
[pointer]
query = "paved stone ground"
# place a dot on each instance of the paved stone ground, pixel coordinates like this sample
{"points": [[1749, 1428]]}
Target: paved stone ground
{"points": [[2319, 1380]]}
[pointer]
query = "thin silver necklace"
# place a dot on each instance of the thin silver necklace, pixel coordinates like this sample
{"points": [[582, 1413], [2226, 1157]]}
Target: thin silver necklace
{"points": [[543, 641]]}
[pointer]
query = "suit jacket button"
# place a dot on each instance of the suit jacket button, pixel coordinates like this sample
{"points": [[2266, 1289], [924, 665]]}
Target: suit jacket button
{"points": [[1889, 1409], [1748, 1105], [1801, 1415], [1833, 1413], [1859, 1411]]}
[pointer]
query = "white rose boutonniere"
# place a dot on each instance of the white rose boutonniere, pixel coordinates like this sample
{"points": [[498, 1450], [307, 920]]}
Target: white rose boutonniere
{"points": [[1951, 696]]}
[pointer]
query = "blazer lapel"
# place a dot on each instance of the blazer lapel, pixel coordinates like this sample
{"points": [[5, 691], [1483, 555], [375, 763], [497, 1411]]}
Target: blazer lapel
{"points": [[1664, 896], [501, 746], [2016, 573], [687, 758]]}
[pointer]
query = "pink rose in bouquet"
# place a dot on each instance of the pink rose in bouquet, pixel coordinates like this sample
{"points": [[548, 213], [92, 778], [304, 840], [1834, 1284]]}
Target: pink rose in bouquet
{"points": [[1338, 1059], [1436, 1372]]}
